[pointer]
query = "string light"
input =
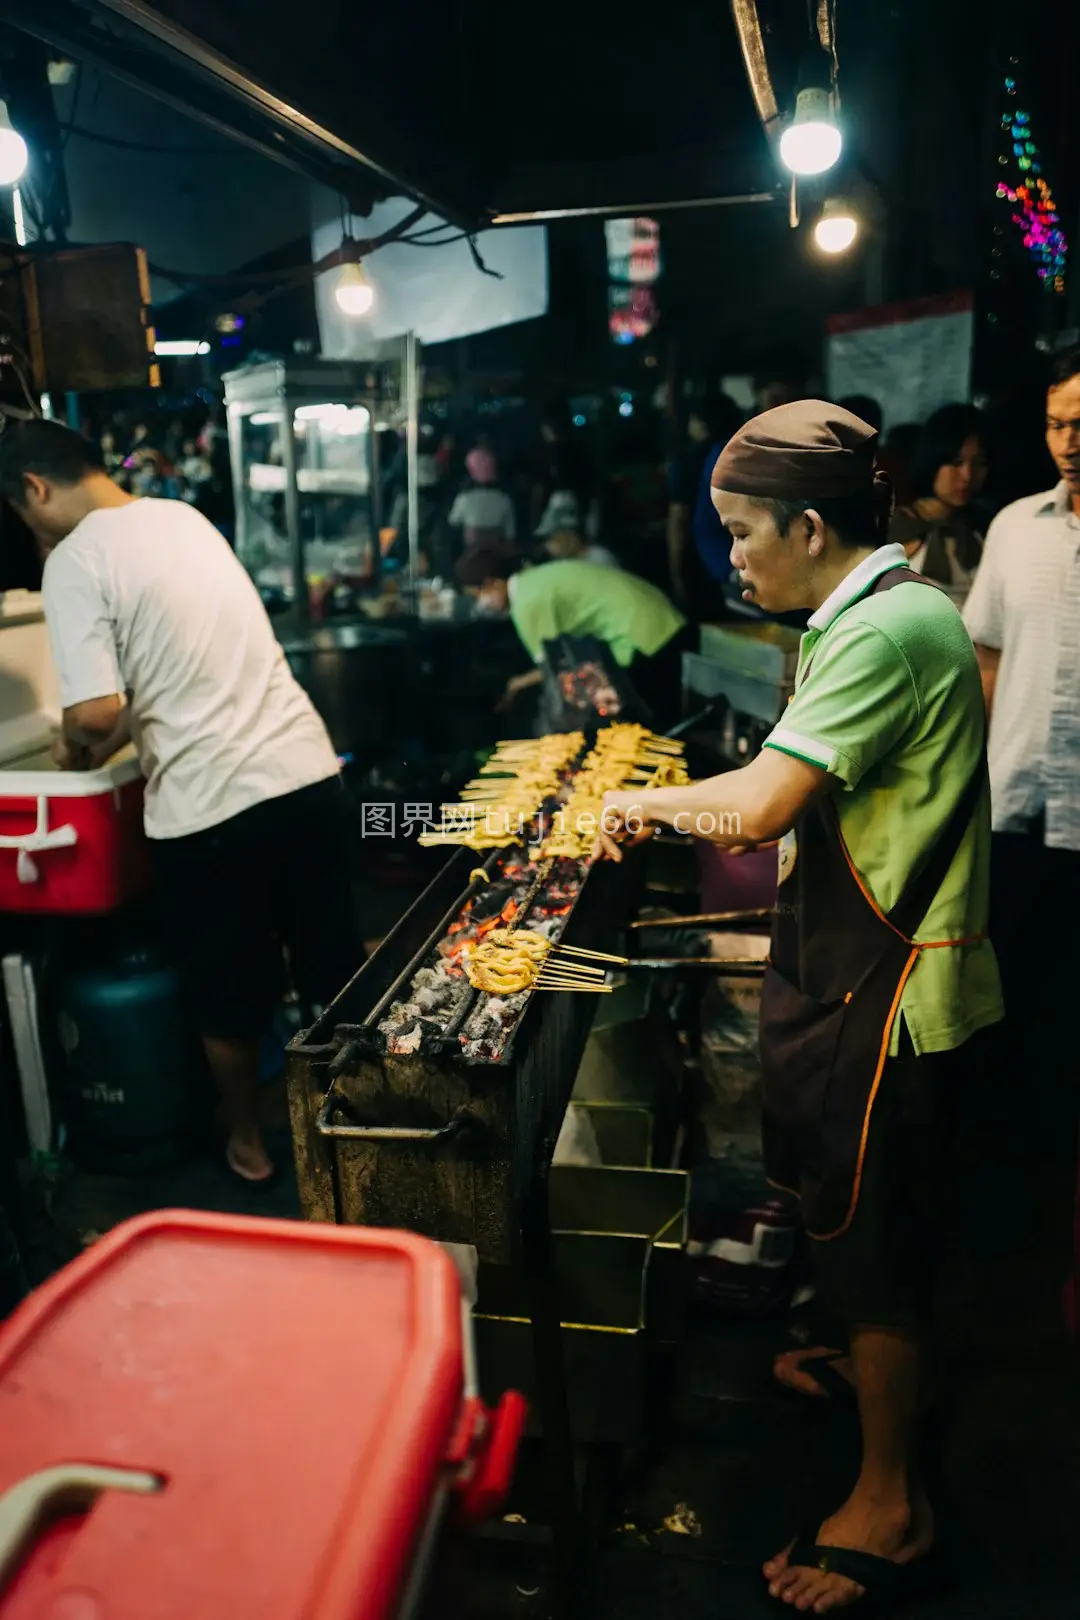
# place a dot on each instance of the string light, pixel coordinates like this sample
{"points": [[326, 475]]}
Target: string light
{"points": [[1028, 193]]}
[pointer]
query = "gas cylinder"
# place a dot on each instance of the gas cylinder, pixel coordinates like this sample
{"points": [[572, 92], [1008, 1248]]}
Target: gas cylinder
{"points": [[133, 1086]]}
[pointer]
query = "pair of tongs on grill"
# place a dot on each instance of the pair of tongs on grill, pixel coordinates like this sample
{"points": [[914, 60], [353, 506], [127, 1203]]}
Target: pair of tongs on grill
{"points": [[733, 966], [572, 960]]}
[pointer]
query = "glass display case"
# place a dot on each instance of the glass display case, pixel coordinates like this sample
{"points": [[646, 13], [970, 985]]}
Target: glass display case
{"points": [[303, 447]]}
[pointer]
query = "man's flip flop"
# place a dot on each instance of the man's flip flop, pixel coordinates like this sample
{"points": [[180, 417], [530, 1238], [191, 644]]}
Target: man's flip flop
{"points": [[267, 1184], [821, 1370], [886, 1585]]}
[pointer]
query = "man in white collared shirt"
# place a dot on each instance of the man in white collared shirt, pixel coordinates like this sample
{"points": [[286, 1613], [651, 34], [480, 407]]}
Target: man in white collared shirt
{"points": [[1023, 615]]}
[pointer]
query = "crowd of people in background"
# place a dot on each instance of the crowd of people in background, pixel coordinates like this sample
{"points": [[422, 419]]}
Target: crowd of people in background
{"points": [[631, 492], [183, 458]]}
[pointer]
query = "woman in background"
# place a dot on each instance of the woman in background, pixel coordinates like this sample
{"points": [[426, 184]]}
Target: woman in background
{"points": [[942, 528], [483, 511]]}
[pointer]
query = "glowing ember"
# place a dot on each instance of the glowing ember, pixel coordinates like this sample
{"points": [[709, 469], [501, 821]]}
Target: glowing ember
{"points": [[440, 994]]}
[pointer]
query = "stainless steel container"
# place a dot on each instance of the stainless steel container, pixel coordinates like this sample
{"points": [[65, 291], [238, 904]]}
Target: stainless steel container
{"points": [[619, 1237]]}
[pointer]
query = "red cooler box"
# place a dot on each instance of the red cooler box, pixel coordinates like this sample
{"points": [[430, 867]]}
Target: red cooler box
{"points": [[71, 842], [239, 1420]]}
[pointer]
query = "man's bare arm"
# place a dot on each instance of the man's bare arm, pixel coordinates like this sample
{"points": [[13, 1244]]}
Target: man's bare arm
{"points": [[989, 660], [755, 805], [93, 732]]}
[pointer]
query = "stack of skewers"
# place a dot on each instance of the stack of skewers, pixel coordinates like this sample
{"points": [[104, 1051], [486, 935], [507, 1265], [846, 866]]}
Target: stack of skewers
{"points": [[622, 758], [497, 807], [510, 960]]}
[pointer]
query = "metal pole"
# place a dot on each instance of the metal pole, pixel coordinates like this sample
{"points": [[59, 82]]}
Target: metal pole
{"points": [[540, 216], [234, 423], [301, 602], [412, 451], [568, 1545]]}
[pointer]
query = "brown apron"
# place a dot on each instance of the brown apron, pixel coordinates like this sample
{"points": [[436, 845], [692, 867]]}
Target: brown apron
{"points": [[831, 992]]}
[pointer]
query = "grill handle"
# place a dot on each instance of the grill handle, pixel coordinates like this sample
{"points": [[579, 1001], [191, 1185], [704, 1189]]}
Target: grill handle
{"points": [[390, 1133]]}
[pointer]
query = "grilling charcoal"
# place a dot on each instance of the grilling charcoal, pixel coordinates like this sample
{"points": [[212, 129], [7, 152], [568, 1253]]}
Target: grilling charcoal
{"points": [[426, 1035], [491, 900], [508, 1062]]}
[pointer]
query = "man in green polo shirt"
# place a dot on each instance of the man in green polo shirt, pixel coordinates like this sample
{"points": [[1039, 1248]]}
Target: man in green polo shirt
{"points": [[572, 598], [881, 977]]}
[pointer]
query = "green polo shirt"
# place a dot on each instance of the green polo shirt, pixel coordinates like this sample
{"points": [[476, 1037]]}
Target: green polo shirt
{"points": [[888, 700], [583, 599]]}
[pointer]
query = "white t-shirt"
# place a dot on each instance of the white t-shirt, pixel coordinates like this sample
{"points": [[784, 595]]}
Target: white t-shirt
{"points": [[148, 599], [1026, 602], [484, 508]]}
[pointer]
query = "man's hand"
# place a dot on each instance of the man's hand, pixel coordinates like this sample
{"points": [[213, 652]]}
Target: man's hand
{"points": [[622, 822], [71, 756], [515, 686]]}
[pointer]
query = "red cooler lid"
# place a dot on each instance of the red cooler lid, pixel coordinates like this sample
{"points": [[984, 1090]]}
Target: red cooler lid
{"points": [[293, 1388]]}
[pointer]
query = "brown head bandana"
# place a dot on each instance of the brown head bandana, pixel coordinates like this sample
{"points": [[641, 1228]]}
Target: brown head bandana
{"points": [[807, 451]]}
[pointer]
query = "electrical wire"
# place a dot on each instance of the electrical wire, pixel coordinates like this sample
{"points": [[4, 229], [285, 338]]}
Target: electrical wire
{"points": [[68, 128], [447, 241], [11, 361], [71, 128], [351, 251], [444, 241]]}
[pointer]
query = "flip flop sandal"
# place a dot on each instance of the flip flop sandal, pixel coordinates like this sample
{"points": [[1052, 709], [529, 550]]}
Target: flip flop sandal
{"points": [[885, 1585], [821, 1370], [267, 1184]]}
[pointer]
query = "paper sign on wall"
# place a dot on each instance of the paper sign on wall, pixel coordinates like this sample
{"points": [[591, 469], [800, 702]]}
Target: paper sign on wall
{"points": [[911, 357]]}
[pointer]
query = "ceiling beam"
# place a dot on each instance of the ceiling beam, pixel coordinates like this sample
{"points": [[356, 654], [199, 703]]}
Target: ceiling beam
{"points": [[135, 44]]}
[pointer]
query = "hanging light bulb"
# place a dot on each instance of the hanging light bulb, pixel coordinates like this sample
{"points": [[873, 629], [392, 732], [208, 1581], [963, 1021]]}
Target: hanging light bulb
{"points": [[812, 142], [354, 293], [13, 153], [837, 228]]}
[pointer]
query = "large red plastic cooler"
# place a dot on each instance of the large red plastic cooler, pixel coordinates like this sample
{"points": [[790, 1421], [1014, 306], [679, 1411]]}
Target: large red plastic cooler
{"points": [[71, 842], [282, 1410]]}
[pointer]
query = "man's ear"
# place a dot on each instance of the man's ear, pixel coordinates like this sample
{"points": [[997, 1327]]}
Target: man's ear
{"points": [[815, 532], [35, 486]]}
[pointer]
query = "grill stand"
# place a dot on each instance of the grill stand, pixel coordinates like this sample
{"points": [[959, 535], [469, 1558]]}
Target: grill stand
{"points": [[503, 1120], [560, 1479]]}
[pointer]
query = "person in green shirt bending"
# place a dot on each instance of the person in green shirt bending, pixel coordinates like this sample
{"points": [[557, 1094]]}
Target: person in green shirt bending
{"points": [[882, 987], [645, 633]]}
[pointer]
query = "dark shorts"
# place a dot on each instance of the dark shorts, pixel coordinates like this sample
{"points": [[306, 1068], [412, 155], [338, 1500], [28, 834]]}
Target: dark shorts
{"points": [[232, 897], [911, 1216]]}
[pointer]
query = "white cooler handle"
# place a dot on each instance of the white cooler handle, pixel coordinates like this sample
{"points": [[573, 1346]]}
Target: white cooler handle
{"points": [[41, 838], [27, 1506]]}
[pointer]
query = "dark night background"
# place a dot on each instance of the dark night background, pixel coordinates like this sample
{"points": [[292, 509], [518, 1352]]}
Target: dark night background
{"points": [[483, 108]]}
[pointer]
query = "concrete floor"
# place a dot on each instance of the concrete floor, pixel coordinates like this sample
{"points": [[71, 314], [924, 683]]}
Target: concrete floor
{"points": [[751, 1463]]}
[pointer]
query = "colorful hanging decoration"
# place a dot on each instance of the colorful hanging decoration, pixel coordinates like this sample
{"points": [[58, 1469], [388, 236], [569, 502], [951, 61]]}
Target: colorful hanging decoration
{"points": [[1034, 211]]}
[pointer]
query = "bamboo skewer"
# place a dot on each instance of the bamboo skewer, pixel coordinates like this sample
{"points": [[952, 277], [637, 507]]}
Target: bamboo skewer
{"points": [[575, 989], [598, 956], [565, 972]]}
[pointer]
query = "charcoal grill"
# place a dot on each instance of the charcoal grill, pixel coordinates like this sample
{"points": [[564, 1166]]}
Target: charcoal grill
{"points": [[446, 1139], [454, 1140]]}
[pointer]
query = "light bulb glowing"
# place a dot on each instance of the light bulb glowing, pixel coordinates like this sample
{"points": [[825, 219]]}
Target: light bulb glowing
{"points": [[354, 293], [812, 143], [13, 153], [837, 228], [181, 347]]}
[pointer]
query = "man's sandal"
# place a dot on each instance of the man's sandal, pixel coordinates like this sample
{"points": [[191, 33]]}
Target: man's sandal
{"points": [[886, 1585], [821, 1370]]}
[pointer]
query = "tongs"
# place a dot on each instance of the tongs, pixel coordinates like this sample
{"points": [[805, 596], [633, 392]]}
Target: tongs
{"points": [[742, 967]]}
